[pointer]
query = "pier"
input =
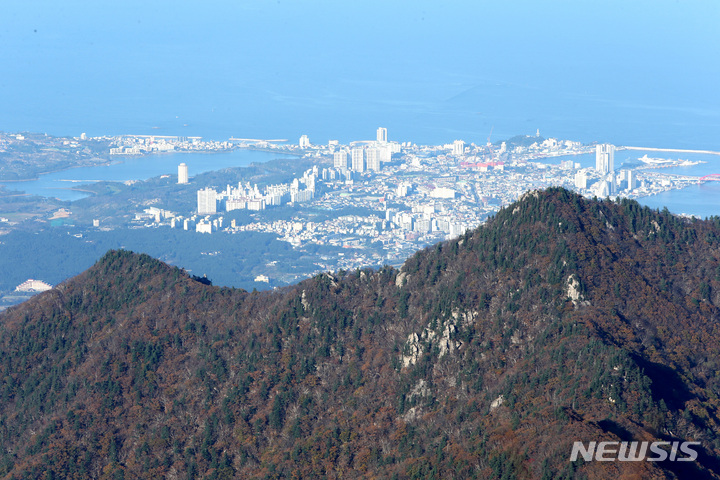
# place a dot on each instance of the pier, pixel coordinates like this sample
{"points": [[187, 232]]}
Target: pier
{"points": [[677, 150]]}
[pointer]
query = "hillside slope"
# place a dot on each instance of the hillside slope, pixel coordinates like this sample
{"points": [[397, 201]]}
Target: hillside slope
{"points": [[560, 320]]}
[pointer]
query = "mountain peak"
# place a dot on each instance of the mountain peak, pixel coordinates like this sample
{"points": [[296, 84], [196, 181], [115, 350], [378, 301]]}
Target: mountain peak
{"points": [[560, 320]]}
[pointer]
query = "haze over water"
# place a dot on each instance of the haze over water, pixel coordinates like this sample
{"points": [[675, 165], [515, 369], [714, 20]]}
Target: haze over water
{"points": [[639, 73]]}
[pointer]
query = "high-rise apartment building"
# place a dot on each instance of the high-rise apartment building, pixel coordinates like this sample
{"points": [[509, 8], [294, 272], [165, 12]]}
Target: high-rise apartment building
{"points": [[605, 158], [340, 159], [304, 142], [631, 180], [373, 159], [458, 147], [207, 201], [183, 174], [581, 180], [382, 135], [358, 160]]}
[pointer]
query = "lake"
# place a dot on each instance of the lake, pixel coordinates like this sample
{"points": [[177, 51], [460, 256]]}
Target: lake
{"points": [[62, 184]]}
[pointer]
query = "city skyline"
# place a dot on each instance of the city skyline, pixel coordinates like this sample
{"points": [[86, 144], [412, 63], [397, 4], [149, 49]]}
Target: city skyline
{"points": [[403, 196]]}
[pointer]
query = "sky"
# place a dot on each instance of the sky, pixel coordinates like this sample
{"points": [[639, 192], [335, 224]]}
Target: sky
{"points": [[611, 71]]}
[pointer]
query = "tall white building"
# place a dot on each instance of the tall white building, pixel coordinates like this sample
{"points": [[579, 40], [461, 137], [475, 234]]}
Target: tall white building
{"points": [[581, 180], [207, 201], [382, 135], [340, 159], [304, 142], [182, 174], [605, 158], [358, 160], [631, 180], [373, 159], [422, 226], [301, 196], [256, 204], [385, 153], [458, 147], [605, 187]]}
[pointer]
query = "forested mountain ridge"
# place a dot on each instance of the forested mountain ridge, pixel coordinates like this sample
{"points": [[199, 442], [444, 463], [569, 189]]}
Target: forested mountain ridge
{"points": [[560, 320]]}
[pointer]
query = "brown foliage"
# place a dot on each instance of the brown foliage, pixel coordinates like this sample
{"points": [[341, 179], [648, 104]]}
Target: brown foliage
{"points": [[477, 365]]}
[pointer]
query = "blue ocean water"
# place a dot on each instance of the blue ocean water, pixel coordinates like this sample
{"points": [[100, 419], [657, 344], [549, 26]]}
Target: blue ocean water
{"points": [[640, 73], [628, 73], [700, 200]]}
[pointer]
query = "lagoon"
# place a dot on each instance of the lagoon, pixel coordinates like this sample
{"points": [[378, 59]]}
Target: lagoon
{"points": [[67, 184]]}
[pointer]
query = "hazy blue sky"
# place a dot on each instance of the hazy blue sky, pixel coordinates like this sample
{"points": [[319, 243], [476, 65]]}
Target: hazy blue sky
{"points": [[435, 70]]}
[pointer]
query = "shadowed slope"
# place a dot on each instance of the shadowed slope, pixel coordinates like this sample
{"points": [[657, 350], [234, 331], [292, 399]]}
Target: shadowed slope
{"points": [[560, 320]]}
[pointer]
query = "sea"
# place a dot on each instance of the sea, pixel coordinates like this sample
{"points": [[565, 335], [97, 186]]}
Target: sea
{"points": [[429, 72], [701, 200]]}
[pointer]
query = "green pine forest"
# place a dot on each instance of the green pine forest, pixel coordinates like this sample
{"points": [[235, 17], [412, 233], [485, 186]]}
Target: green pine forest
{"points": [[561, 319]]}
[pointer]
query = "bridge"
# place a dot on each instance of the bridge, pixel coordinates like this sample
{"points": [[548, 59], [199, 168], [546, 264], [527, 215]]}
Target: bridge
{"points": [[712, 176]]}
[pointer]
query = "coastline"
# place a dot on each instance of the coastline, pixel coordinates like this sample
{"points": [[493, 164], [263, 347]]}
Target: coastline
{"points": [[271, 150], [89, 192], [33, 179], [209, 152], [119, 159], [151, 165]]}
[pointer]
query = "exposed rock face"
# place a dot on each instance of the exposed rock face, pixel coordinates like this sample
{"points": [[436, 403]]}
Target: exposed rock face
{"points": [[573, 292], [560, 320]]}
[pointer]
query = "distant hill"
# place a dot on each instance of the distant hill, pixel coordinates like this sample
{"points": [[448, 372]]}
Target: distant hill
{"points": [[561, 320]]}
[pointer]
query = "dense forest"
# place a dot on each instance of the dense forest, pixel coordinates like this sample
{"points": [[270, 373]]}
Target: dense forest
{"points": [[560, 320]]}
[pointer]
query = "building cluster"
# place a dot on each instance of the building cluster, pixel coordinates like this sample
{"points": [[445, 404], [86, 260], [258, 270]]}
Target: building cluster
{"points": [[250, 197], [604, 181], [31, 285], [144, 144], [362, 156], [154, 216], [411, 195]]}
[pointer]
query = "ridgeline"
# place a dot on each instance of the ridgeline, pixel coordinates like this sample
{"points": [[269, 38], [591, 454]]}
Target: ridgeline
{"points": [[560, 320]]}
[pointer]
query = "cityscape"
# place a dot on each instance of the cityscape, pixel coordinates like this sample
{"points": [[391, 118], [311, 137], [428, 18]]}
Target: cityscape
{"points": [[415, 195], [367, 203]]}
